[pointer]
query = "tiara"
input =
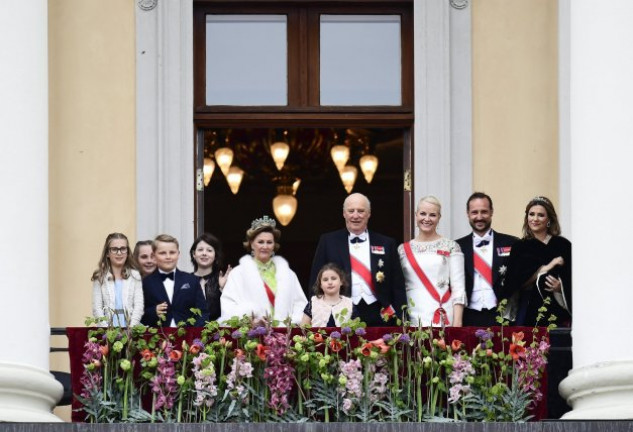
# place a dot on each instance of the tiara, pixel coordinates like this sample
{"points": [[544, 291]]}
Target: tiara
{"points": [[263, 222], [541, 199]]}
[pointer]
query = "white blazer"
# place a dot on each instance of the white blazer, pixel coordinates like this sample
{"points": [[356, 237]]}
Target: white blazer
{"points": [[103, 298], [244, 293]]}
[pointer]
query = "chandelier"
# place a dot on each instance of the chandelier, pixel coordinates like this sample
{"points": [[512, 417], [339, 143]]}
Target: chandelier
{"points": [[282, 156]]}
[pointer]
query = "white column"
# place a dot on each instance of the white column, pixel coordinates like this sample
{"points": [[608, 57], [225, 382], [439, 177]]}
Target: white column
{"points": [[28, 392], [164, 122], [443, 110], [601, 91]]}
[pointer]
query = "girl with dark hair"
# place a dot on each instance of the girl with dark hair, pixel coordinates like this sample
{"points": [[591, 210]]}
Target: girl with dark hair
{"points": [[144, 257], [206, 257], [540, 267], [329, 307], [117, 290]]}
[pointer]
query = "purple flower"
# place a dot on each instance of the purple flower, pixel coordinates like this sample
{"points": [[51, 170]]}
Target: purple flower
{"points": [[483, 334], [236, 334], [335, 335], [404, 338], [346, 330], [279, 374], [360, 331], [216, 336], [199, 343], [261, 331], [387, 337], [252, 333]]}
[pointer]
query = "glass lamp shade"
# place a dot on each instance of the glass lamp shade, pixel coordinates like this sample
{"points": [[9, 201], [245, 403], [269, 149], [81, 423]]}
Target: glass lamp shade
{"points": [[285, 208], [207, 170], [234, 178], [224, 158], [340, 155], [368, 165], [279, 152], [295, 186], [348, 177]]}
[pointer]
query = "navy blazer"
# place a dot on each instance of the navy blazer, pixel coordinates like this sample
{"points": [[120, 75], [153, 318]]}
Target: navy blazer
{"points": [[501, 244], [333, 247], [187, 295]]}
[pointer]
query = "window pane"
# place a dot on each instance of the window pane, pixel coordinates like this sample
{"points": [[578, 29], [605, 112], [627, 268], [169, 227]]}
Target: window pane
{"points": [[360, 60], [246, 60]]}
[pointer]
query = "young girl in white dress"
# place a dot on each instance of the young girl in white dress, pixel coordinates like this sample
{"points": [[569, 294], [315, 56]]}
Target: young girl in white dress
{"points": [[329, 308]]}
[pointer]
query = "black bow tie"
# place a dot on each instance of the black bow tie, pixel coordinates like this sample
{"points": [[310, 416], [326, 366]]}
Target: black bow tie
{"points": [[483, 243], [357, 240], [164, 276]]}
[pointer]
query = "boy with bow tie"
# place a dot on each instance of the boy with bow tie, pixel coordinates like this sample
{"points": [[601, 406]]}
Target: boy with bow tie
{"points": [[169, 293]]}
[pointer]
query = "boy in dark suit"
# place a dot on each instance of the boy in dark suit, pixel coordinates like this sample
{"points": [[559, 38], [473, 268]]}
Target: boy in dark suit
{"points": [[486, 254], [371, 262], [169, 293]]}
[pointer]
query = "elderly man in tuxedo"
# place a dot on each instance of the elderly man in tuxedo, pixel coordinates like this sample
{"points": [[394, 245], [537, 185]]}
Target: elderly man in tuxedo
{"points": [[486, 254], [371, 262], [169, 293]]}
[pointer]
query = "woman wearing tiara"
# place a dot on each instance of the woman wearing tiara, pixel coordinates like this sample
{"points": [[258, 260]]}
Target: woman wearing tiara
{"points": [[540, 267], [263, 285]]}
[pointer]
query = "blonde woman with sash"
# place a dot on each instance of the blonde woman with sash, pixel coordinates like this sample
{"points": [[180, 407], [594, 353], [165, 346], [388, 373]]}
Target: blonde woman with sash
{"points": [[433, 269]]}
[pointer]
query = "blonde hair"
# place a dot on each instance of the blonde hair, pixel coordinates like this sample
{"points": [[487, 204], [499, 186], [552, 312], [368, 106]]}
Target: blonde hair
{"points": [[431, 200]]}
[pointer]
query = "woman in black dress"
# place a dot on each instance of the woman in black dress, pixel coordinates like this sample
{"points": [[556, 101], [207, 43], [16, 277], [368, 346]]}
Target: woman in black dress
{"points": [[206, 257], [540, 267]]}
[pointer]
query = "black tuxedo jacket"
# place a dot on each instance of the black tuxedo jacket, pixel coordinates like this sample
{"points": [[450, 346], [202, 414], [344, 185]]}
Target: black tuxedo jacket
{"points": [[187, 295], [333, 247], [499, 259]]}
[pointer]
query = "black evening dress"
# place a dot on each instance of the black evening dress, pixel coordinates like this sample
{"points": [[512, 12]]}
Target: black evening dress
{"points": [[526, 257]]}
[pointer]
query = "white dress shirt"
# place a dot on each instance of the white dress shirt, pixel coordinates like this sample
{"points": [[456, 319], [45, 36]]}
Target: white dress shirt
{"points": [[483, 296], [169, 289], [360, 251]]}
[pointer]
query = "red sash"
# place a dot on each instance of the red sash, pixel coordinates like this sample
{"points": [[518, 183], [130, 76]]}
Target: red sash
{"points": [[440, 311], [361, 270], [270, 294], [482, 267]]}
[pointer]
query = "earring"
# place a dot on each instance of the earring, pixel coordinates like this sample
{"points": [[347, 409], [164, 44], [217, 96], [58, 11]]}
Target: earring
{"points": [[548, 223], [252, 253]]}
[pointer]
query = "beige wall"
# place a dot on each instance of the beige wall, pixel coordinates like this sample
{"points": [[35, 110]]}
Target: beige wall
{"points": [[91, 149], [515, 104]]}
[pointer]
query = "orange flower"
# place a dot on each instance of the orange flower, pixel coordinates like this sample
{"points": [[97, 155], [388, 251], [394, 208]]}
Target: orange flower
{"points": [[147, 354], [380, 343], [489, 352], [239, 353], [194, 349], [261, 351], [335, 345], [441, 343], [104, 350], [175, 355], [517, 337], [456, 345], [366, 349], [96, 363], [516, 351], [318, 337]]}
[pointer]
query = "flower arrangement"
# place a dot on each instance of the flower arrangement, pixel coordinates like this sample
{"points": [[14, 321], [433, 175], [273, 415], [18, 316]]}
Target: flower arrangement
{"points": [[255, 373]]}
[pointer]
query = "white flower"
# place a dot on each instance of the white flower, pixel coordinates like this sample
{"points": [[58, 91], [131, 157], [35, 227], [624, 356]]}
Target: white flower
{"points": [[381, 263], [502, 270]]}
